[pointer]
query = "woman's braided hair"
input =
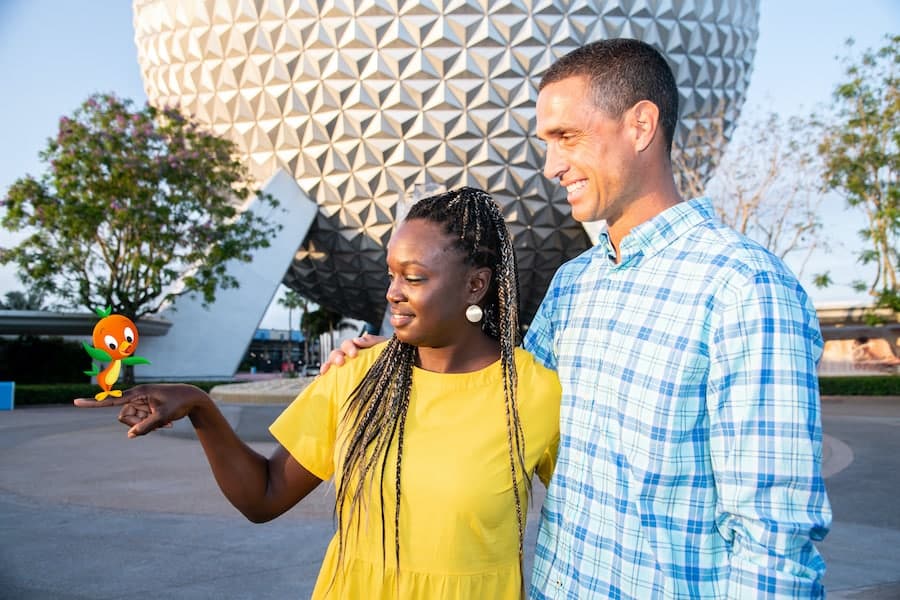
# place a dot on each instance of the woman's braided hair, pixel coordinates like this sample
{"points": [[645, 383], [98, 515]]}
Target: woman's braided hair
{"points": [[376, 410]]}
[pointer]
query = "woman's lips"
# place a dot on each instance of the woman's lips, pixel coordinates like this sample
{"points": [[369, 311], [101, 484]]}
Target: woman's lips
{"points": [[399, 319]]}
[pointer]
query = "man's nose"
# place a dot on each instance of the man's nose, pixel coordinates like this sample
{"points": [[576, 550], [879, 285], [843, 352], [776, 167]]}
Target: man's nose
{"points": [[554, 165]]}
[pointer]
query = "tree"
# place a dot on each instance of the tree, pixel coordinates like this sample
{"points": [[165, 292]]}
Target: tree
{"points": [[17, 300], [767, 183], [322, 320], [319, 321], [861, 152], [291, 300], [136, 208]]}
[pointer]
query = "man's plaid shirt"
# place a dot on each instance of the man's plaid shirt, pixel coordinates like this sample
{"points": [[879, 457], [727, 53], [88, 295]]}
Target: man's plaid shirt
{"points": [[690, 454]]}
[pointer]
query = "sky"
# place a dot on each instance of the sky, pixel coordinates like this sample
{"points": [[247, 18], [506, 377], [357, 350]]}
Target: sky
{"points": [[55, 53]]}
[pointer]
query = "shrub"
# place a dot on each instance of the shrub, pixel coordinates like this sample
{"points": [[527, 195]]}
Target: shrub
{"points": [[876, 385], [32, 359], [64, 393]]}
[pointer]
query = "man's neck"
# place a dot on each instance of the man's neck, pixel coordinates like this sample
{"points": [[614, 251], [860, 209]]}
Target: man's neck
{"points": [[638, 213]]}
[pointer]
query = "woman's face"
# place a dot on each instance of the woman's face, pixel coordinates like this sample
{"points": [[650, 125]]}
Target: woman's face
{"points": [[428, 292]]}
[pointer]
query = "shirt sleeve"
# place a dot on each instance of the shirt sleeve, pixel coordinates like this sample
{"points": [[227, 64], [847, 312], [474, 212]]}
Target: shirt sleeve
{"points": [[547, 462], [308, 426], [540, 394], [766, 440], [540, 335]]}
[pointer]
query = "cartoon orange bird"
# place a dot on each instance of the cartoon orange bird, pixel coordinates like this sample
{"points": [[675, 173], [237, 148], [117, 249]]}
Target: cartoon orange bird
{"points": [[115, 339]]}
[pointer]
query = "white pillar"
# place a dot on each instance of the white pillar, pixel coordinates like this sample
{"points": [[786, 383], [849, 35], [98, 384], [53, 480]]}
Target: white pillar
{"points": [[208, 343]]}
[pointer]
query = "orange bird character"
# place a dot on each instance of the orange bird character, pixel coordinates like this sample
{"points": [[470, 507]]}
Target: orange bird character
{"points": [[115, 339]]}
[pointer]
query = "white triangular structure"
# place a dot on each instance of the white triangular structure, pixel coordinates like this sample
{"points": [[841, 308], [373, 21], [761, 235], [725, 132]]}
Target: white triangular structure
{"points": [[208, 343]]}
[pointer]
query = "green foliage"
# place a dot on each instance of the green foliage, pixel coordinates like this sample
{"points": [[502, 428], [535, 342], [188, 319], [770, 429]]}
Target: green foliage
{"points": [[880, 385], [320, 321], [64, 393], [861, 151], [30, 359], [35, 394], [822, 280], [291, 300], [45, 393], [17, 300], [131, 202], [890, 299]]}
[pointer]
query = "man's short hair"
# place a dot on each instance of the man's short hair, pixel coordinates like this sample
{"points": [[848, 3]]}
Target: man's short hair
{"points": [[622, 72]]}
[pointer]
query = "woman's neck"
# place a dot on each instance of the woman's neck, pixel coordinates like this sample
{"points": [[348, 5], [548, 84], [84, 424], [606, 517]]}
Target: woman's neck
{"points": [[471, 356]]}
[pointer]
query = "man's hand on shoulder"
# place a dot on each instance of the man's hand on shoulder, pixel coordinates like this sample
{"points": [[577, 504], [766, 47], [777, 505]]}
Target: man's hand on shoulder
{"points": [[349, 349]]}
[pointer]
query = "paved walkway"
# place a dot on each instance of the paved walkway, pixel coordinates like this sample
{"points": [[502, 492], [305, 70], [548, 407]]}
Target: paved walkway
{"points": [[87, 513]]}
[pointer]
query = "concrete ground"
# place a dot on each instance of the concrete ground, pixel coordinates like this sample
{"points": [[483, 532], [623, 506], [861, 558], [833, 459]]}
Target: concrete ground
{"points": [[87, 514]]}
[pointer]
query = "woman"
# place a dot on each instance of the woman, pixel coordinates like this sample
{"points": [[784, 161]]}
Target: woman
{"points": [[431, 437]]}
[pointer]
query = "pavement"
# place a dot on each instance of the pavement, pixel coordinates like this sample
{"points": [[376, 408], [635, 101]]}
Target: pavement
{"points": [[86, 513]]}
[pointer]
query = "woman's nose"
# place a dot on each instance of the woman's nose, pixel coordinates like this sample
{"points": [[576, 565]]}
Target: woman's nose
{"points": [[393, 293]]}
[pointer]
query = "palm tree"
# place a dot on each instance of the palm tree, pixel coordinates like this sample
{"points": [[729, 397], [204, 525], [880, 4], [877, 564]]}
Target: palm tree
{"points": [[291, 300], [321, 320]]}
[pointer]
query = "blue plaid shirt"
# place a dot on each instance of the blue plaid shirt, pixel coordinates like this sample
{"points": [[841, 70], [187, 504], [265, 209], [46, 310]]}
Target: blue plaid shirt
{"points": [[690, 454]]}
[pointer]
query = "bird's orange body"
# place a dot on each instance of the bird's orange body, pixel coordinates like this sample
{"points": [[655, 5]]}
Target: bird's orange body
{"points": [[118, 336]]}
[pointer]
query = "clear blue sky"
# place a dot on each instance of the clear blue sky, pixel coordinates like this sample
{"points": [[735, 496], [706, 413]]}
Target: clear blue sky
{"points": [[54, 53]]}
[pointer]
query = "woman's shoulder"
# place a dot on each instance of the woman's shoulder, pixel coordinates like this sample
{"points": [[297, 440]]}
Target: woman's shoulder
{"points": [[353, 369], [371, 354], [531, 373], [526, 361]]}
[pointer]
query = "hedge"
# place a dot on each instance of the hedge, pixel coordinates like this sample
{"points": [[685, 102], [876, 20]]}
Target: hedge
{"points": [[854, 385], [34, 360], [64, 393], [32, 394]]}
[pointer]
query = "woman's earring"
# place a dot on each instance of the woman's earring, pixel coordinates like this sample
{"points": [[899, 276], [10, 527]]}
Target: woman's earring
{"points": [[474, 313]]}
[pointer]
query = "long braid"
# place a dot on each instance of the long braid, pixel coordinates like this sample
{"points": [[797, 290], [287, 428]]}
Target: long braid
{"points": [[376, 410], [474, 218], [373, 413]]}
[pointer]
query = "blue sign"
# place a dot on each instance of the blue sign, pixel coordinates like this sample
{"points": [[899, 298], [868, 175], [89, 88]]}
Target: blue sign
{"points": [[7, 395]]}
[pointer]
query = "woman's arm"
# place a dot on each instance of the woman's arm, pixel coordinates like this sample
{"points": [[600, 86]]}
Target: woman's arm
{"points": [[260, 488]]}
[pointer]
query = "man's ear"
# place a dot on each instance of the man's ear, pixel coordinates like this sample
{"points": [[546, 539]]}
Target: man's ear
{"points": [[645, 123], [478, 283]]}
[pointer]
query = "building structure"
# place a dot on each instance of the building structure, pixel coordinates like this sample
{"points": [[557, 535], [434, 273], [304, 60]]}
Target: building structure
{"points": [[341, 109], [359, 102]]}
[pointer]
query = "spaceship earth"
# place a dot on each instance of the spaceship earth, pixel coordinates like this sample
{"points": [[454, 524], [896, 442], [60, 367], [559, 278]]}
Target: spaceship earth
{"points": [[361, 101]]}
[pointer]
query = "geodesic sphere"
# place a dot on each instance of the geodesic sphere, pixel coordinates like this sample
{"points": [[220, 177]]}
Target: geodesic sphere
{"points": [[361, 100]]}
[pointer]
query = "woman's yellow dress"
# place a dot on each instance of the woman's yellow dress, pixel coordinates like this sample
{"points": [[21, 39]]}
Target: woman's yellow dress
{"points": [[458, 526]]}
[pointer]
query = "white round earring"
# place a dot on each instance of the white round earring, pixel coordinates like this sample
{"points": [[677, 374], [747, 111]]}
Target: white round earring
{"points": [[474, 313]]}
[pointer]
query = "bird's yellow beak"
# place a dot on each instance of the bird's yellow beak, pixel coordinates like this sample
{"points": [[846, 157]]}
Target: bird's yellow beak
{"points": [[125, 347]]}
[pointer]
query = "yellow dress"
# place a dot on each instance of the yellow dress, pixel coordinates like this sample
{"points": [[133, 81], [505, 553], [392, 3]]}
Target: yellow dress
{"points": [[458, 526]]}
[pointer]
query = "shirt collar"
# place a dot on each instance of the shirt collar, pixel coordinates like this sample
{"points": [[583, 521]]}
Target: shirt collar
{"points": [[652, 236]]}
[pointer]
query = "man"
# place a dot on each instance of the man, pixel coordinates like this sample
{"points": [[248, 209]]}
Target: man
{"points": [[690, 454], [690, 440]]}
